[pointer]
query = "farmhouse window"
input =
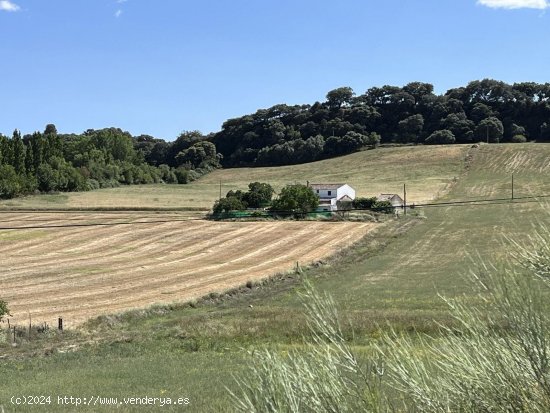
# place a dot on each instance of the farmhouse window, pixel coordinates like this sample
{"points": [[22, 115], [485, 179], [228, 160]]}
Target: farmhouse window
{"points": [[330, 192]]}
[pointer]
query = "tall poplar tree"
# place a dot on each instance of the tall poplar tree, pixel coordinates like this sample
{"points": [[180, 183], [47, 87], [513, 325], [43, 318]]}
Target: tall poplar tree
{"points": [[29, 158], [18, 152]]}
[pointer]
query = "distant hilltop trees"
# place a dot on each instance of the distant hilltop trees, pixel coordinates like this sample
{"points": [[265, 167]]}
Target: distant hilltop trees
{"points": [[486, 110]]}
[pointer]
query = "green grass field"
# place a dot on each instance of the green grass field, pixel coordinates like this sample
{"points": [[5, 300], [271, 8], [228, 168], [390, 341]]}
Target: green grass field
{"points": [[392, 277], [426, 170]]}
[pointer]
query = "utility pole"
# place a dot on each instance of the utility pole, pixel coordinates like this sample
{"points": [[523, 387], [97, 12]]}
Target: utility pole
{"points": [[404, 199], [512, 186]]}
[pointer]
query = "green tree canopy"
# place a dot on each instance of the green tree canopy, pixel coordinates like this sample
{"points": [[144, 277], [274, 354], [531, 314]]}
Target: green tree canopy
{"points": [[408, 114], [259, 194], [10, 185], [441, 137], [296, 198], [490, 129], [338, 97], [19, 152], [410, 128], [230, 203], [199, 154], [350, 142]]}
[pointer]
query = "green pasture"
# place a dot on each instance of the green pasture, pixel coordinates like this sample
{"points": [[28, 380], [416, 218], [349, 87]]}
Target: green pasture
{"points": [[392, 278]]}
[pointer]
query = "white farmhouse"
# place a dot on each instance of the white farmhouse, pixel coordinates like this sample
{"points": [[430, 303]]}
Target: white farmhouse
{"points": [[332, 194]]}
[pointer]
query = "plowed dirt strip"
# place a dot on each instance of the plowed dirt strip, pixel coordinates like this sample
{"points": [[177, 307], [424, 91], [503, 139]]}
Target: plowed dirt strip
{"points": [[83, 272]]}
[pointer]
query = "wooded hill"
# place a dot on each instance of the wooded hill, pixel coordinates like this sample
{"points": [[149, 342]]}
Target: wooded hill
{"points": [[486, 110]]}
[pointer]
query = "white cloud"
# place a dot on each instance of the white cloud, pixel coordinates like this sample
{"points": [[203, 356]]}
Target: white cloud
{"points": [[515, 4], [118, 13], [121, 1], [7, 5]]}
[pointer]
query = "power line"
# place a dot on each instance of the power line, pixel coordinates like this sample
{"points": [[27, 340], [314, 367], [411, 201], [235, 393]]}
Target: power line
{"points": [[100, 224], [463, 203], [483, 201], [80, 218]]}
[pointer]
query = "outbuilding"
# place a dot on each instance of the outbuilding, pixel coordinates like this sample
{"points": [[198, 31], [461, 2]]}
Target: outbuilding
{"points": [[396, 200]]}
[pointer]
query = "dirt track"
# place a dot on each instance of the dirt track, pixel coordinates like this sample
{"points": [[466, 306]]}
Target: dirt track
{"points": [[80, 271]]}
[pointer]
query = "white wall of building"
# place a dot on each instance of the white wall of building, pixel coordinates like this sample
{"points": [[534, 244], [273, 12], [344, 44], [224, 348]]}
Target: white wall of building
{"points": [[329, 197], [345, 190]]}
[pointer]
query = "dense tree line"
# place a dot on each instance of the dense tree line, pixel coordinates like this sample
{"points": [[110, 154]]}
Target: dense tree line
{"points": [[296, 199], [50, 161], [486, 110]]}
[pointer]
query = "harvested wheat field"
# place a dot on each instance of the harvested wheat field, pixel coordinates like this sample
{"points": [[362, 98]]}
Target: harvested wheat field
{"points": [[81, 265]]}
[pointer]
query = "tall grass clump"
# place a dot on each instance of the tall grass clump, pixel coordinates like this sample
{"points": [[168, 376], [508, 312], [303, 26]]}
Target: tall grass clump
{"points": [[494, 357], [324, 375], [498, 358]]}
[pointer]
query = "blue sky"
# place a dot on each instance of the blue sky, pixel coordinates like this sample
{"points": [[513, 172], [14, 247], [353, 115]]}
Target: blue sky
{"points": [[159, 67]]}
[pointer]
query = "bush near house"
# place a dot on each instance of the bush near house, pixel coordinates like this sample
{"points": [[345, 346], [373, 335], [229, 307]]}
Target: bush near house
{"points": [[292, 199], [296, 198], [373, 204], [228, 204], [383, 206], [364, 203], [259, 195]]}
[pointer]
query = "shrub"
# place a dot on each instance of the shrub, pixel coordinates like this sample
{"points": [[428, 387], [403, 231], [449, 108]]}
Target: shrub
{"points": [[373, 140], [92, 184], [4, 310], [519, 139], [227, 204], [182, 175], [383, 206], [364, 203], [167, 174], [110, 183], [441, 137], [9, 182]]}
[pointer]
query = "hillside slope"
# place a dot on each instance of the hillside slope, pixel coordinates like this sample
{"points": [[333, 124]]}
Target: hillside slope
{"points": [[199, 349], [427, 171], [403, 282]]}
